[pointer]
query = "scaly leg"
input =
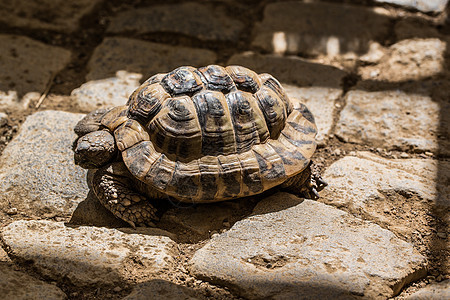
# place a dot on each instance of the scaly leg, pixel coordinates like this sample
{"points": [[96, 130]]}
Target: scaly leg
{"points": [[306, 184], [113, 187]]}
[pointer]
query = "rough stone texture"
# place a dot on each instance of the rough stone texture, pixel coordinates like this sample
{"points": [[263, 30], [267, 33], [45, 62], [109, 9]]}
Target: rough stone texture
{"points": [[412, 59], [160, 289], [17, 285], [30, 64], [203, 21], [292, 70], [434, 291], [37, 172], [292, 248], [115, 54], [106, 92], [422, 5], [318, 28], [321, 102], [90, 255], [395, 120], [380, 189], [59, 15]]}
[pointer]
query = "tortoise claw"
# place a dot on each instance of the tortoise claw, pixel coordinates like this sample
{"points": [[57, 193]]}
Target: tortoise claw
{"points": [[315, 193], [321, 184]]}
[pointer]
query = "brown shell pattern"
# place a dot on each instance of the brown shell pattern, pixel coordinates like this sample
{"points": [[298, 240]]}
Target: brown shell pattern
{"points": [[213, 133]]}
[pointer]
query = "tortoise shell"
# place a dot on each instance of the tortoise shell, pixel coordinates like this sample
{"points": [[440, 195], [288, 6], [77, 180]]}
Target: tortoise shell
{"points": [[212, 133]]}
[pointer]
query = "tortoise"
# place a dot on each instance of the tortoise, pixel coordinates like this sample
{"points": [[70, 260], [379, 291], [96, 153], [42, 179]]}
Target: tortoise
{"points": [[198, 135]]}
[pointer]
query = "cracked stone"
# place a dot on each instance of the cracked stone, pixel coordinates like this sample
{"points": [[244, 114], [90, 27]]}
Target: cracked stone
{"points": [[18, 285], [395, 120], [412, 59], [380, 189], [90, 255], [291, 248], [115, 54], [203, 21], [59, 15], [321, 102], [107, 92], [435, 6], [291, 70], [37, 171], [318, 28], [30, 64]]}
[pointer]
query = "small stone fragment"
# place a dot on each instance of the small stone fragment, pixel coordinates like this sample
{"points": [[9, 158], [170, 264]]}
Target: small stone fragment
{"points": [[12, 211], [3, 119]]}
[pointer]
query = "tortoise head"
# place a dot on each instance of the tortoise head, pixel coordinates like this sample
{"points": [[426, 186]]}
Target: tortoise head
{"points": [[95, 146], [95, 149]]}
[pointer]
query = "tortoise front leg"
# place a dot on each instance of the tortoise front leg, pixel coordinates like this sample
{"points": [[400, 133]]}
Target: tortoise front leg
{"points": [[306, 184], [114, 189]]}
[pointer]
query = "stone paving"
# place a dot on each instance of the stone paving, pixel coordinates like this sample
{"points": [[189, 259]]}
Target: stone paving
{"points": [[375, 77]]}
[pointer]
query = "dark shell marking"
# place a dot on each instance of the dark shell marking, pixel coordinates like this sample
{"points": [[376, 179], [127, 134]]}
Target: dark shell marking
{"points": [[213, 133]]}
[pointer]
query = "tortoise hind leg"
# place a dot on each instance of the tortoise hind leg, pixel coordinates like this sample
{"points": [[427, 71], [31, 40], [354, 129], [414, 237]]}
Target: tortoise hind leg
{"points": [[306, 184], [112, 186]]}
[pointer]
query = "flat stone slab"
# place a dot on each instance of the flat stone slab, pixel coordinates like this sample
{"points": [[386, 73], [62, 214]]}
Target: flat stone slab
{"points": [[135, 56], [422, 5], [59, 15], [37, 171], [395, 120], [18, 285], [30, 65], [292, 70], [107, 92], [321, 102], [318, 28], [434, 291], [411, 59], [160, 289], [381, 189], [90, 255], [292, 248], [204, 21]]}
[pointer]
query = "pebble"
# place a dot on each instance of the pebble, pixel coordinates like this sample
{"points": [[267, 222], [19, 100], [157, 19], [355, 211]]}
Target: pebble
{"points": [[3, 119], [12, 211]]}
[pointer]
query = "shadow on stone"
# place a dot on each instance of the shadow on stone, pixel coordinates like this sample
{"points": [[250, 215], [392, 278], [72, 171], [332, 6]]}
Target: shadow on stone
{"points": [[160, 289]]}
